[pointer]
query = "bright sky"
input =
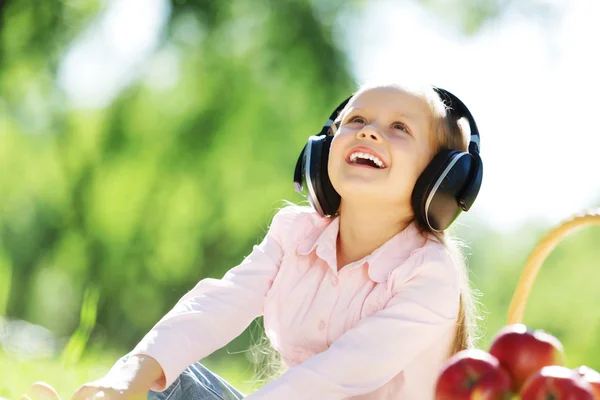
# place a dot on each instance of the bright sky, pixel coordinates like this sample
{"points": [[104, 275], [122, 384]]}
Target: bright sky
{"points": [[532, 86]]}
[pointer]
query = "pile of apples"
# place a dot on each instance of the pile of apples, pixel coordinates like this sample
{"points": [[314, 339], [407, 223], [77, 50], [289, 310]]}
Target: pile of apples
{"points": [[522, 363]]}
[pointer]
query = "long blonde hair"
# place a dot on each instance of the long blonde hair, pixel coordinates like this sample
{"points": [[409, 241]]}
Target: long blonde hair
{"points": [[446, 134]]}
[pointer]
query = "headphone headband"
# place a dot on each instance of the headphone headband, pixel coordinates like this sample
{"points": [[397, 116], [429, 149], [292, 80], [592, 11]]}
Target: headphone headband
{"points": [[333, 116], [458, 109]]}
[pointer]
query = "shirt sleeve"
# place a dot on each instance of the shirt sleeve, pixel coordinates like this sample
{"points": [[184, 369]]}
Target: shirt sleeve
{"points": [[216, 311], [380, 346]]}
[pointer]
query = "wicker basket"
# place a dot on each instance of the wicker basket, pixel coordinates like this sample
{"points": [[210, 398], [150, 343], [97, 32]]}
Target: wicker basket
{"points": [[539, 255]]}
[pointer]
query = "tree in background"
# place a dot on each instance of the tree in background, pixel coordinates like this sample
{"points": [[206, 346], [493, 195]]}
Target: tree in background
{"points": [[163, 186], [177, 176]]}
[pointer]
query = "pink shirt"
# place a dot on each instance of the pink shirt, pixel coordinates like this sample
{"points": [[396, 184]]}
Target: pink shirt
{"points": [[380, 328]]}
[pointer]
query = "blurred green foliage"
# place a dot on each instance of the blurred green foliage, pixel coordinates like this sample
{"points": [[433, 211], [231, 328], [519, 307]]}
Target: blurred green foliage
{"points": [[108, 215], [162, 187]]}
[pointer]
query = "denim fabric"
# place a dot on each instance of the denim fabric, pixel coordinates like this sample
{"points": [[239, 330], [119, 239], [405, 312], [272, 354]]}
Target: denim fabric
{"points": [[198, 383]]}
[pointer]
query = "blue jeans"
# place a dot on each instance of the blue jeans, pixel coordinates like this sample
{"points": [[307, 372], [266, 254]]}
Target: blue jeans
{"points": [[196, 382]]}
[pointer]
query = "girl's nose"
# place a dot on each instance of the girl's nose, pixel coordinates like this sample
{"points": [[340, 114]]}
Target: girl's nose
{"points": [[369, 133]]}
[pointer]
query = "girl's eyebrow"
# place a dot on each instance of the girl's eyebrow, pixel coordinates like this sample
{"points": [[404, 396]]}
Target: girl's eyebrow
{"points": [[410, 117]]}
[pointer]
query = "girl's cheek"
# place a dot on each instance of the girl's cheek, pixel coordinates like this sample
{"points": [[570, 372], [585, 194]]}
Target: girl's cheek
{"points": [[345, 132], [337, 144]]}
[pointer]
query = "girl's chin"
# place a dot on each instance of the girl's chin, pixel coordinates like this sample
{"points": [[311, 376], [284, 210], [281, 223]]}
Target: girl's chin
{"points": [[364, 189]]}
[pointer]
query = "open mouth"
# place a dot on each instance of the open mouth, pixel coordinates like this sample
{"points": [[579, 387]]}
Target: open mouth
{"points": [[365, 159]]}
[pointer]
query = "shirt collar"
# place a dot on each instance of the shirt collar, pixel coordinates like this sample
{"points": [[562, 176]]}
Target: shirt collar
{"points": [[323, 242], [381, 262]]}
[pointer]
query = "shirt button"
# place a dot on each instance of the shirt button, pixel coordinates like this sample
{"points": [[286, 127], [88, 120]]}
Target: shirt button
{"points": [[321, 325], [333, 279]]}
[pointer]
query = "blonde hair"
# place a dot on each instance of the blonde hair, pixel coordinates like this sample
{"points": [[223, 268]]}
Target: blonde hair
{"points": [[446, 133]]}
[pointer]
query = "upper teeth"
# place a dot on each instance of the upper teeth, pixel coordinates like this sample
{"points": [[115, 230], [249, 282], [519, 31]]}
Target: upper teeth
{"points": [[366, 156]]}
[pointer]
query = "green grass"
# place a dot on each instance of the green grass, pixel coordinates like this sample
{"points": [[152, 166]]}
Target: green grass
{"points": [[17, 375], [79, 363]]}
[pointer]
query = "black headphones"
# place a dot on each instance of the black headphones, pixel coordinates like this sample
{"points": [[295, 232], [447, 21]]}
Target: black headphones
{"points": [[448, 185]]}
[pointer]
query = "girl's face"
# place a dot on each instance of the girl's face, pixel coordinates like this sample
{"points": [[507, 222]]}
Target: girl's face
{"points": [[381, 146]]}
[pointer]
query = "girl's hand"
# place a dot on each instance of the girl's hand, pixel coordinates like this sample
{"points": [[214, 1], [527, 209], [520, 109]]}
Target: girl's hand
{"points": [[131, 380], [110, 388]]}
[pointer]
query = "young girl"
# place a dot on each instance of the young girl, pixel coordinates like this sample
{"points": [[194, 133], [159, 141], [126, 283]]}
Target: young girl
{"points": [[363, 294]]}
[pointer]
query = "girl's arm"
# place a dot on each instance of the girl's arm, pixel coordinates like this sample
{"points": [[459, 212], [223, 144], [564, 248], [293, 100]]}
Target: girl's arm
{"points": [[380, 346], [216, 310]]}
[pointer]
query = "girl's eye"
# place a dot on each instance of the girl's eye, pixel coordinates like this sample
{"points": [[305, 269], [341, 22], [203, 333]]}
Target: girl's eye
{"points": [[401, 126], [357, 118]]}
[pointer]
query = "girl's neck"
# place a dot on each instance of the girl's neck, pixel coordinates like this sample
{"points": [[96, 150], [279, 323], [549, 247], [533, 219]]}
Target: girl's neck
{"points": [[365, 228]]}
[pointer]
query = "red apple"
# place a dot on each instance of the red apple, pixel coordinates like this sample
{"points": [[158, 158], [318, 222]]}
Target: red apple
{"points": [[522, 352], [472, 374], [556, 383], [593, 377]]}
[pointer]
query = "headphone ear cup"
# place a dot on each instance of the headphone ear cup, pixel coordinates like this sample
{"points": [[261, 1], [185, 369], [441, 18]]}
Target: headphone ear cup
{"points": [[435, 196], [425, 183], [299, 170], [469, 194], [322, 196]]}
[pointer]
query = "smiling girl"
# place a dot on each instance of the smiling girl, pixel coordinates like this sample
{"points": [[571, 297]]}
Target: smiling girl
{"points": [[363, 294]]}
